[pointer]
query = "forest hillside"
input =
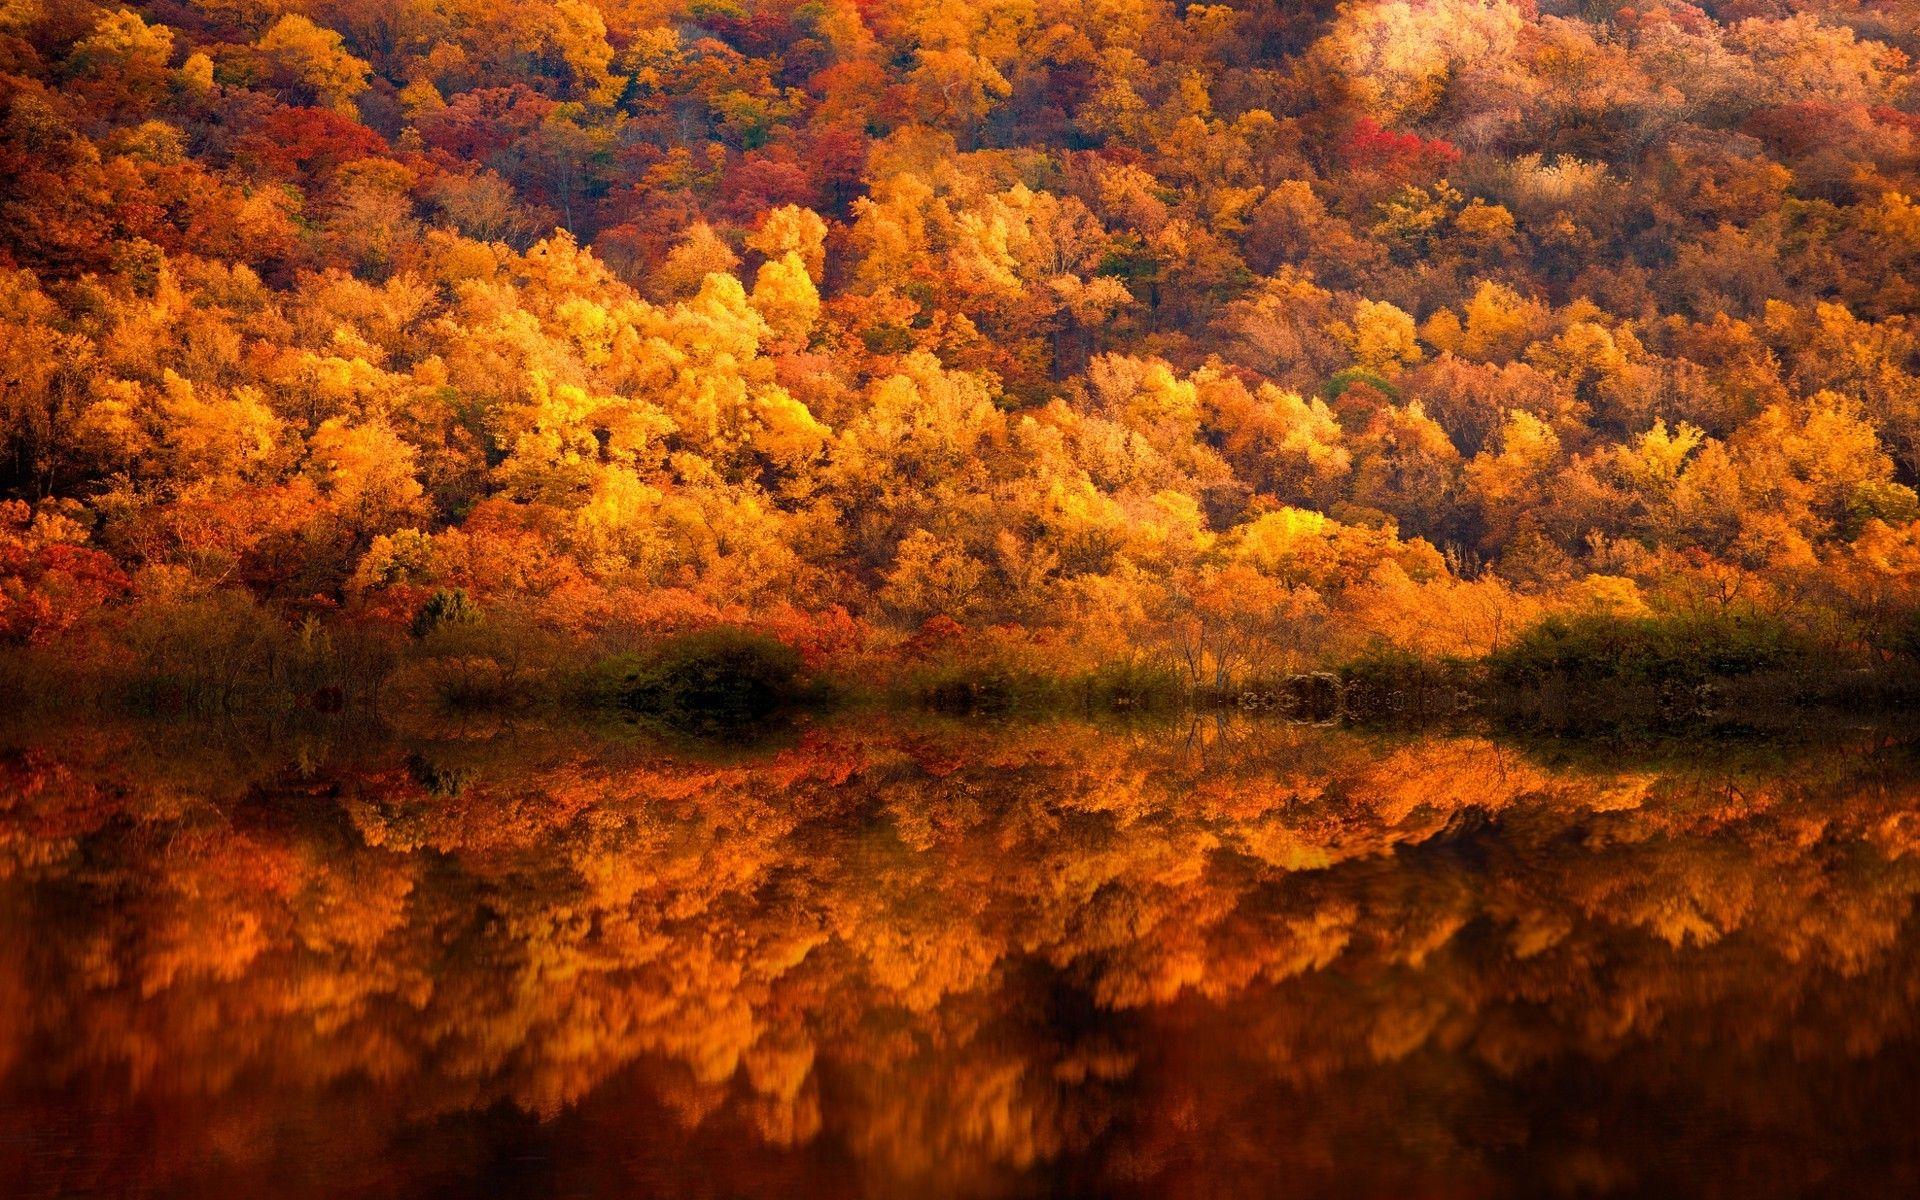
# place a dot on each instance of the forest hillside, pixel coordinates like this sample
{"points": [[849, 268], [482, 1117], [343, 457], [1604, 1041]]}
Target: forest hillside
{"points": [[1230, 338]]}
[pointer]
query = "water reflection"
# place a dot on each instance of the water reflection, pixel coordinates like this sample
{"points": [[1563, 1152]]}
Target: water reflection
{"points": [[942, 960]]}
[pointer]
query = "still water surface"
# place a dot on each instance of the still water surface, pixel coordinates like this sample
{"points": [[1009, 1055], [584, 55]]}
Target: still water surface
{"points": [[925, 960]]}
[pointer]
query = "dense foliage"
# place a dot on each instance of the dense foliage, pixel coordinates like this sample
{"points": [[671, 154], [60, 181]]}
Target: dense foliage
{"points": [[1241, 336]]}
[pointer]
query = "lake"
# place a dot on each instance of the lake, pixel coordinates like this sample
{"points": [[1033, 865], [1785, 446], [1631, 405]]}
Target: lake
{"points": [[898, 957]]}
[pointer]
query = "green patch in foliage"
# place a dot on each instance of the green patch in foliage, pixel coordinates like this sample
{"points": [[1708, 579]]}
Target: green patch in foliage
{"points": [[721, 11], [1128, 258], [887, 339], [1342, 380]]}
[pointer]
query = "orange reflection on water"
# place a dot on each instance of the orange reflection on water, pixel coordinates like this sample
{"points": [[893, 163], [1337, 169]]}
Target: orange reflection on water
{"points": [[1216, 960]]}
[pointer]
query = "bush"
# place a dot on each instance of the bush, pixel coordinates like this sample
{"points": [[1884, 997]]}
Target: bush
{"points": [[1905, 640], [468, 663], [1387, 681], [1133, 686], [446, 607], [218, 653], [1679, 648], [984, 687], [716, 677], [224, 653]]}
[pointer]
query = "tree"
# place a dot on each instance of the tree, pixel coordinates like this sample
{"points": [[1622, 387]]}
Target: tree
{"points": [[366, 474], [314, 60]]}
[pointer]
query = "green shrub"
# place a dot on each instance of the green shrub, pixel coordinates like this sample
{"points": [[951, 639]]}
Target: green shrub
{"points": [[1387, 668], [446, 607], [218, 653], [1905, 639], [1678, 648], [722, 677], [1133, 686], [994, 687], [225, 653], [981, 688], [467, 662]]}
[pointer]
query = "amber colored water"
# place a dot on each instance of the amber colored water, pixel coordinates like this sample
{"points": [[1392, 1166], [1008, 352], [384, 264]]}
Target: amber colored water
{"points": [[894, 959]]}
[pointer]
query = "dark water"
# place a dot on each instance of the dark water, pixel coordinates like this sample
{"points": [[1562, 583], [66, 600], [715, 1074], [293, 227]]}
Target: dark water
{"points": [[925, 961]]}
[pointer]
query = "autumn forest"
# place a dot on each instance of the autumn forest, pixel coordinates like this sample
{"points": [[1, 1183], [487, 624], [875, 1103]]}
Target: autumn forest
{"points": [[1212, 340]]}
